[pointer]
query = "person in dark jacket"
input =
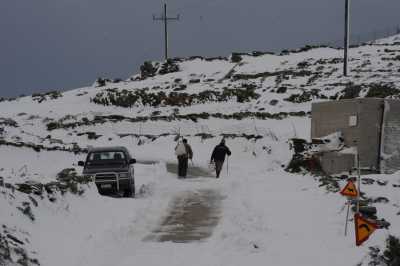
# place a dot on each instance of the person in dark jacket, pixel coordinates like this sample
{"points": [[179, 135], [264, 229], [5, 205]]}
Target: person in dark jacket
{"points": [[184, 153], [218, 156]]}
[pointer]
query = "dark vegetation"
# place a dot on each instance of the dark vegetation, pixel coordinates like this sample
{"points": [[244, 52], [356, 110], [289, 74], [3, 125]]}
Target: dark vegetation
{"points": [[390, 256], [351, 91], [395, 58], [13, 250], [130, 98], [101, 82], [150, 69], [51, 95], [306, 96], [203, 136], [293, 73], [193, 117], [236, 58], [303, 162], [375, 90], [302, 49], [68, 181], [2, 99], [38, 147], [90, 135], [8, 122], [382, 91]]}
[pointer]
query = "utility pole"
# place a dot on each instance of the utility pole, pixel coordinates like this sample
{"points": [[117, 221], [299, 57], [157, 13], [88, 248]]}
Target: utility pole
{"points": [[346, 38], [165, 19]]}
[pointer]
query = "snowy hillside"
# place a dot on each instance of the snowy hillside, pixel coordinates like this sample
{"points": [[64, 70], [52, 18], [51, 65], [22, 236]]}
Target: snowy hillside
{"points": [[258, 101]]}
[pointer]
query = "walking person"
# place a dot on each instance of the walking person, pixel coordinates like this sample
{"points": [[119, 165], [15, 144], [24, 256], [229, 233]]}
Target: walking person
{"points": [[183, 152], [218, 156]]}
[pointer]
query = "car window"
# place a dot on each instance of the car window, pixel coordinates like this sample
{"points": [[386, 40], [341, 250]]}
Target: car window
{"points": [[106, 156]]}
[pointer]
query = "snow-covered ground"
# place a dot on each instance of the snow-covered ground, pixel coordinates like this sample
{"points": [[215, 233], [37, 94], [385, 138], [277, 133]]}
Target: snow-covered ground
{"points": [[268, 215]]}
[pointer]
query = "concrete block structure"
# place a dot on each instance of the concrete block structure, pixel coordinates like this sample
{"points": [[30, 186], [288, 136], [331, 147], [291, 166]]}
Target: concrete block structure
{"points": [[369, 125]]}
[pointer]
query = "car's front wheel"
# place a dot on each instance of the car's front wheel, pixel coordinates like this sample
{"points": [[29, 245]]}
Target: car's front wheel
{"points": [[99, 189], [130, 191]]}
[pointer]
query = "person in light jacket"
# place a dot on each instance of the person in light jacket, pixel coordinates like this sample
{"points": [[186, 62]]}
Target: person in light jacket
{"points": [[183, 152]]}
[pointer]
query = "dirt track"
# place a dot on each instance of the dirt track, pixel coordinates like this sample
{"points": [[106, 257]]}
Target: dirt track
{"points": [[192, 215]]}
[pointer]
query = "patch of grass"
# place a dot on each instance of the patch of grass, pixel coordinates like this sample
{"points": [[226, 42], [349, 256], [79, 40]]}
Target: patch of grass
{"points": [[130, 98], [51, 95], [351, 91], [76, 149], [13, 249], [293, 73], [306, 96], [176, 116], [390, 256], [8, 122], [236, 58], [90, 135], [382, 91]]}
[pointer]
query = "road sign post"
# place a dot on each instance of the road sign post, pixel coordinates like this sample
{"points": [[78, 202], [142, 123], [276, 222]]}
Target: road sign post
{"points": [[347, 217], [350, 191], [358, 181], [363, 228]]}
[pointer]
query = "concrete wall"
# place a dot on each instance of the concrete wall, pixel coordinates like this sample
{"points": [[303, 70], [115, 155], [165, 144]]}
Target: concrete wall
{"points": [[371, 116], [335, 163], [390, 148], [330, 117]]}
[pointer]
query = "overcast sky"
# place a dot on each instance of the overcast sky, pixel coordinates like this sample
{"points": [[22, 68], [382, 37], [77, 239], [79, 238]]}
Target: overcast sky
{"points": [[63, 44]]}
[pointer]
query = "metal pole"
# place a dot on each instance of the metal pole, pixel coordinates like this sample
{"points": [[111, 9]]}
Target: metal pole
{"points": [[346, 38], [347, 217], [359, 180], [164, 18], [165, 32], [227, 166]]}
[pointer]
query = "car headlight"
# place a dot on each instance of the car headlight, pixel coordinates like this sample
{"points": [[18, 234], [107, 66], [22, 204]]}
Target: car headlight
{"points": [[123, 175]]}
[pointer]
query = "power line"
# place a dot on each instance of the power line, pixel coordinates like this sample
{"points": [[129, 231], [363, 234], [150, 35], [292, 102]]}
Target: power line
{"points": [[165, 19]]}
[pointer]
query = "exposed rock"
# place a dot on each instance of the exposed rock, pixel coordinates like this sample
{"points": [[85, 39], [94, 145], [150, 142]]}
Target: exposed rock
{"points": [[380, 200], [368, 181], [90, 135], [194, 81], [273, 102], [382, 183], [281, 90]]}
